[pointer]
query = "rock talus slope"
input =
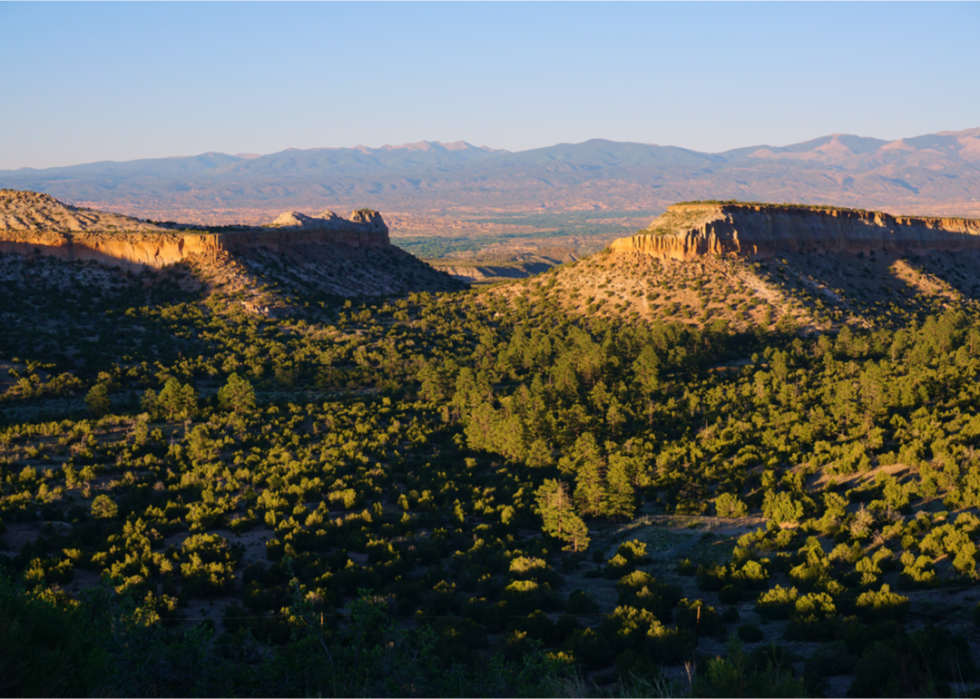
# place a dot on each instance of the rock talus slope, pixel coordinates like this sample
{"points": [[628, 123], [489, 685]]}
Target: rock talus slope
{"points": [[690, 230]]}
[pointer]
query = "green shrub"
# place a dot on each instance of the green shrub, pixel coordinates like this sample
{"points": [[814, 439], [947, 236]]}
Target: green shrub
{"points": [[103, 507], [590, 648], [883, 604], [781, 508], [686, 567], [634, 551], [761, 674], [640, 589], [777, 603], [728, 505], [814, 618], [618, 566]]}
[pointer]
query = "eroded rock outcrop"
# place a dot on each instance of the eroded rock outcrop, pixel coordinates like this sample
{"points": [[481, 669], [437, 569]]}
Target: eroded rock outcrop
{"points": [[688, 231], [32, 222]]}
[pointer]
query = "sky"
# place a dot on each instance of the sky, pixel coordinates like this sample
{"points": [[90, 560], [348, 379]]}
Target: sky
{"points": [[85, 82]]}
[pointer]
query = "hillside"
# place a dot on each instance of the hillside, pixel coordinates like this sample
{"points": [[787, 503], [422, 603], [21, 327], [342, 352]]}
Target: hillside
{"points": [[323, 254], [763, 266], [581, 483], [486, 267], [934, 174], [691, 230]]}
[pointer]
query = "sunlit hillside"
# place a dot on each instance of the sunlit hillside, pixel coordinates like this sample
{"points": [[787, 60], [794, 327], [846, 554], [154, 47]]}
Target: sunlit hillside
{"points": [[585, 482]]}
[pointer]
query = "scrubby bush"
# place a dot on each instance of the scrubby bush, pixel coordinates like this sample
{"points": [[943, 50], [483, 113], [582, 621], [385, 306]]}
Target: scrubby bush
{"points": [[728, 505], [759, 674], [883, 604], [777, 603]]}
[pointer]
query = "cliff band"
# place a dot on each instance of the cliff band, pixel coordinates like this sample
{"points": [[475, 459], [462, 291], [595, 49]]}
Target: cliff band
{"points": [[688, 231], [37, 222]]}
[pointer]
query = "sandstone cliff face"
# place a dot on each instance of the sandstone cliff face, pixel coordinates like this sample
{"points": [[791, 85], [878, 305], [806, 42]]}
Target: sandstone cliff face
{"points": [[32, 222], [127, 250], [688, 231]]}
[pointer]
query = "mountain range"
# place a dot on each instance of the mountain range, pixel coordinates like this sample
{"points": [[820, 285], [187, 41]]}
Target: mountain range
{"points": [[931, 174]]}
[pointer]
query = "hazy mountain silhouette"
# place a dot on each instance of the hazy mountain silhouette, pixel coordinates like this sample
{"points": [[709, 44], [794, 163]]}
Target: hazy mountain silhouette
{"points": [[934, 173]]}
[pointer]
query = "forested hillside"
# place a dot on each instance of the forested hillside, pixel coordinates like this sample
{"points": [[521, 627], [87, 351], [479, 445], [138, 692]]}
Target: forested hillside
{"points": [[490, 492]]}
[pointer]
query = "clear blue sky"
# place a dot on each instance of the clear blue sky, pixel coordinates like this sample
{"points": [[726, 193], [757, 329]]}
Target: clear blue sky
{"points": [[117, 81]]}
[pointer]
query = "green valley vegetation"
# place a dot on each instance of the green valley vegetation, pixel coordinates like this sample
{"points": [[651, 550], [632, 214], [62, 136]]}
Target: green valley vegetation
{"points": [[478, 493]]}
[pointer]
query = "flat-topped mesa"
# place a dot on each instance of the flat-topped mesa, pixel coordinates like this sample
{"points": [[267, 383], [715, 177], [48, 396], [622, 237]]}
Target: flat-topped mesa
{"points": [[32, 222], [689, 230]]}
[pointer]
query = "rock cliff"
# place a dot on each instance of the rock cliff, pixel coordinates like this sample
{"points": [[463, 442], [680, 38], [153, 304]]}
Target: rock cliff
{"points": [[37, 222], [688, 231]]}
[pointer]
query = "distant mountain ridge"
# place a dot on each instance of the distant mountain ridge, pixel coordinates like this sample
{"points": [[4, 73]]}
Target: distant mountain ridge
{"points": [[930, 174]]}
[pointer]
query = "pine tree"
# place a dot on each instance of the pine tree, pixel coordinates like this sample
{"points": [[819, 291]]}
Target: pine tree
{"points": [[619, 500], [589, 489], [479, 428], [539, 454], [585, 450], [237, 395], [560, 520], [97, 400], [647, 371], [177, 402], [508, 437], [149, 403], [614, 417]]}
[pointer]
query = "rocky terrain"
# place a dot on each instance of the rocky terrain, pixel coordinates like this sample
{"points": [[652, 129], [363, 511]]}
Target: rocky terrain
{"points": [[40, 213], [322, 254], [690, 230], [760, 267]]}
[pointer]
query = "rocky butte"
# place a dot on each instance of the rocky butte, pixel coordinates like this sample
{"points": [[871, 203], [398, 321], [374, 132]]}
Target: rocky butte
{"points": [[690, 230], [37, 222]]}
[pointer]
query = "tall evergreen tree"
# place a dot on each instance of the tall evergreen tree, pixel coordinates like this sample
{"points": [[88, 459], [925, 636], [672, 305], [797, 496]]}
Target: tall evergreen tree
{"points": [[590, 490], [619, 500], [647, 371], [237, 395], [560, 520], [584, 451]]}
